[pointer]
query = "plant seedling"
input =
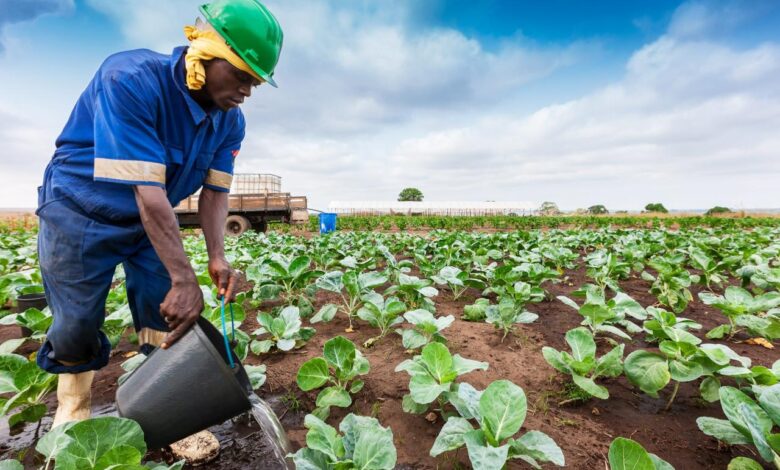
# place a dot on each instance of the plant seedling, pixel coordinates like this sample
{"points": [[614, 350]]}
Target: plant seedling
{"points": [[499, 412], [756, 314], [362, 444], [380, 313], [425, 328], [507, 314], [433, 375], [351, 286], [29, 385], [626, 454], [582, 364], [285, 331], [340, 363]]}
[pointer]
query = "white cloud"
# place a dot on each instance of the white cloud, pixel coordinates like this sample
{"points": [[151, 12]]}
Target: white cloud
{"points": [[685, 113], [351, 71], [715, 18], [26, 150]]}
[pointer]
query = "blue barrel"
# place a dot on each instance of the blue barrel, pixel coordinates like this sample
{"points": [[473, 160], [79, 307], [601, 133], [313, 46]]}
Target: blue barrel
{"points": [[327, 222]]}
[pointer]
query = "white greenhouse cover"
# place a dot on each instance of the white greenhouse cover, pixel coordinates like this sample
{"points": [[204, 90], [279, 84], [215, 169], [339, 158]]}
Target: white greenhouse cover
{"points": [[433, 207]]}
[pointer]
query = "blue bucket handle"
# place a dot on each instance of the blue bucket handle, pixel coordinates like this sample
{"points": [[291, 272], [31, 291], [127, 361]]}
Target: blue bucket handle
{"points": [[224, 332]]}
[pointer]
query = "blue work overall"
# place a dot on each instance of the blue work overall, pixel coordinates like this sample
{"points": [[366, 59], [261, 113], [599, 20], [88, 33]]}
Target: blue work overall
{"points": [[135, 124]]}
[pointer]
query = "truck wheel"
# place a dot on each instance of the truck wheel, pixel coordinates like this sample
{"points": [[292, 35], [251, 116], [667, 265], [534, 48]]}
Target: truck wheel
{"points": [[235, 225]]}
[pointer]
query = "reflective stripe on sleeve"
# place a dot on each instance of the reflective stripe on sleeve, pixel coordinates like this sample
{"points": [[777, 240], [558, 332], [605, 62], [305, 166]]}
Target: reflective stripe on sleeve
{"points": [[218, 178], [130, 170]]}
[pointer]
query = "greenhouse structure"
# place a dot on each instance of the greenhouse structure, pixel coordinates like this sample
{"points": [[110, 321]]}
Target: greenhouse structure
{"points": [[451, 208]]}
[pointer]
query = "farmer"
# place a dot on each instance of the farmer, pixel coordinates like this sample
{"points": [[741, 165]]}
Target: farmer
{"points": [[148, 131]]}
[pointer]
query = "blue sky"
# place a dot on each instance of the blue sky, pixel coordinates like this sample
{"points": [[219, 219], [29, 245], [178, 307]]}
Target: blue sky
{"points": [[610, 102]]}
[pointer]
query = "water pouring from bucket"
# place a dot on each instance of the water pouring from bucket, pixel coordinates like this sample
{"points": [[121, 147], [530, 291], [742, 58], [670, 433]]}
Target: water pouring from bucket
{"points": [[273, 431], [198, 367]]}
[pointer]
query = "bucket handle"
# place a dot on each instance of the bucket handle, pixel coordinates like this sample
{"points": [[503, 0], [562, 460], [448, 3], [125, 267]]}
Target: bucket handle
{"points": [[224, 331]]}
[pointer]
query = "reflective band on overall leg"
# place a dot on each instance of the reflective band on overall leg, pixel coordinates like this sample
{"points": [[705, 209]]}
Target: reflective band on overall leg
{"points": [[148, 283]]}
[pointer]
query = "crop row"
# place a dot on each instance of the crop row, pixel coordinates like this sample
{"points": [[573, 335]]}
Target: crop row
{"points": [[505, 222], [391, 282]]}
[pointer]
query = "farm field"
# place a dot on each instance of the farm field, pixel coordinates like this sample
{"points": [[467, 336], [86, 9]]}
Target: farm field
{"points": [[610, 331], [391, 223]]}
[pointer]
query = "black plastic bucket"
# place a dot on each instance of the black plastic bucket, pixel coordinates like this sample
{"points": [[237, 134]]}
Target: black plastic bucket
{"points": [[185, 389], [25, 301], [35, 300]]}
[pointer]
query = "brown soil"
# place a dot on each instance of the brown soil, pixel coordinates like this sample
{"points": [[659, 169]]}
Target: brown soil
{"points": [[583, 430]]}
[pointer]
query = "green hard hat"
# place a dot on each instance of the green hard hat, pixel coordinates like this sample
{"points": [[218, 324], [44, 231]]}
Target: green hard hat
{"points": [[251, 30]]}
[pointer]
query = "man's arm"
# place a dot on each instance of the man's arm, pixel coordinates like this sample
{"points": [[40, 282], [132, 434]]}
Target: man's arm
{"points": [[213, 210], [184, 302]]}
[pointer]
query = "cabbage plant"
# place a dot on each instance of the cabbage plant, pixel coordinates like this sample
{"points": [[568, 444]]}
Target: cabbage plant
{"points": [[340, 364], [32, 319], [106, 442], [747, 422], [284, 331], [507, 314], [433, 375], [394, 267], [662, 325], [757, 314], [476, 311], [457, 281], [363, 444], [671, 282], [116, 323], [627, 454], [28, 385], [425, 328], [559, 256], [583, 365], [602, 316], [351, 286], [380, 313], [256, 374], [711, 269], [508, 283], [415, 292], [606, 269], [682, 359], [499, 412], [286, 278], [767, 278]]}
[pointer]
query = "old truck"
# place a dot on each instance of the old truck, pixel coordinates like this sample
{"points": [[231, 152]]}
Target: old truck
{"points": [[255, 199]]}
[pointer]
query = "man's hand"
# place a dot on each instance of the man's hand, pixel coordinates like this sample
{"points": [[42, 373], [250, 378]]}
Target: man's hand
{"points": [[224, 277], [181, 308]]}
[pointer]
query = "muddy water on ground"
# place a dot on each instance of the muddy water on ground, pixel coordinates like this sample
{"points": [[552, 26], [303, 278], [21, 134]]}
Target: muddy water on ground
{"points": [[273, 431], [249, 441]]}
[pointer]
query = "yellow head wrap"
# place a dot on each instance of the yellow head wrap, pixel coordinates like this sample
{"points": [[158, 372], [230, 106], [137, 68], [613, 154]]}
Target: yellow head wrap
{"points": [[207, 44]]}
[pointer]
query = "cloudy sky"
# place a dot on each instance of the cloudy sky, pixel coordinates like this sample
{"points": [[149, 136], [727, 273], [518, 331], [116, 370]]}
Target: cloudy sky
{"points": [[611, 102]]}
